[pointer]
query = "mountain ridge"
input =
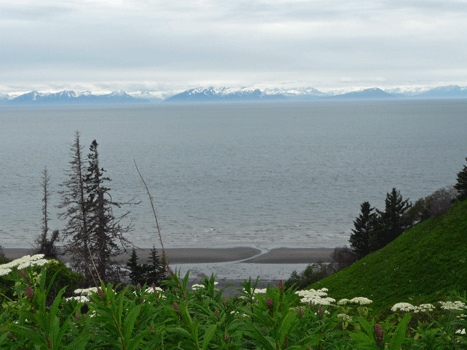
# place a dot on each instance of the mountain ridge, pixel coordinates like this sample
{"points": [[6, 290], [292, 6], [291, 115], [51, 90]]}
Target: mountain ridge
{"points": [[225, 94]]}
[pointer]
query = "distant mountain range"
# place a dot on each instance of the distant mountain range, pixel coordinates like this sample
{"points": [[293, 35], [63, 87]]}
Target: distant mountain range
{"points": [[227, 95], [72, 98]]}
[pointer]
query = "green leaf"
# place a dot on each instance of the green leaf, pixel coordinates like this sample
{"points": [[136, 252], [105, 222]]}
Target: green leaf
{"points": [[129, 322], [79, 343], [286, 324], [180, 331], [367, 327], [399, 334], [208, 336]]}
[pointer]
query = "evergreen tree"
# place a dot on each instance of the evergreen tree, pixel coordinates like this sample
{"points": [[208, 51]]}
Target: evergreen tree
{"points": [[390, 224], [105, 232], [136, 270], [461, 185], [364, 226], [75, 212], [155, 271]]}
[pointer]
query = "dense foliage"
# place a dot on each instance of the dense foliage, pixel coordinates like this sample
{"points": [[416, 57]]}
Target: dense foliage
{"points": [[153, 272], [180, 318], [421, 265]]}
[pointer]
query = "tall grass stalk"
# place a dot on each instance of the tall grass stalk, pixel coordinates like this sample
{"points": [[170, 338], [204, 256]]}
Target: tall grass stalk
{"points": [[169, 270]]}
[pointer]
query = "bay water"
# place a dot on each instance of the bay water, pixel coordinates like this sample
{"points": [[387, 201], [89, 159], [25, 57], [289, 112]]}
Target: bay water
{"points": [[223, 175]]}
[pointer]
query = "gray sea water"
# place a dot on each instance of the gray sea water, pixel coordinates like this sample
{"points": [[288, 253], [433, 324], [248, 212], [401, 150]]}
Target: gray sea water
{"points": [[222, 175]]}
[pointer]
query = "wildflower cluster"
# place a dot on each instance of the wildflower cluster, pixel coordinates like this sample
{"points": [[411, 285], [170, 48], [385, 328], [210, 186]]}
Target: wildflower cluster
{"points": [[317, 297], [180, 317], [22, 263], [453, 305]]}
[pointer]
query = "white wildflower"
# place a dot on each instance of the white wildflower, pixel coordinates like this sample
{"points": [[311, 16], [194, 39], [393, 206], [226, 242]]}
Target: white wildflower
{"points": [[343, 301], [151, 290], [453, 305], [361, 300], [37, 257], [424, 308], [87, 291], [40, 262], [80, 299], [4, 271], [197, 286], [24, 264], [404, 307], [260, 291], [315, 296], [460, 331]]}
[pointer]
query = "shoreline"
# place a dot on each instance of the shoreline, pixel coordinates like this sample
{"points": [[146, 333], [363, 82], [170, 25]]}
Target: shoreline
{"points": [[248, 255], [231, 266]]}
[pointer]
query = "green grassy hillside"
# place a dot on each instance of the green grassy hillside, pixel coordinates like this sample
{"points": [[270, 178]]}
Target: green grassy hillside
{"points": [[423, 265]]}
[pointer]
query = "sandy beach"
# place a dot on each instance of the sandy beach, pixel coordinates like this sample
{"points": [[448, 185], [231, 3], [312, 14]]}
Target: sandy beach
{"points": [[229, 265], [215, 255]]}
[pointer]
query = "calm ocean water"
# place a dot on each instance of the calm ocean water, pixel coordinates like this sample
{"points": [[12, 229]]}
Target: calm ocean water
{"points": [[265, 175]]}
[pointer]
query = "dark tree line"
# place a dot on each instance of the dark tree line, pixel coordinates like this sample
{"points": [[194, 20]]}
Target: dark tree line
{"points": [[374, 229], [152, 272]]}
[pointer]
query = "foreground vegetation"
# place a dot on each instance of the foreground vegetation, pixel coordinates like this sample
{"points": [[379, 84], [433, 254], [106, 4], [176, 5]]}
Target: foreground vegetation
{"points": [[179, 318], [421, 266]]}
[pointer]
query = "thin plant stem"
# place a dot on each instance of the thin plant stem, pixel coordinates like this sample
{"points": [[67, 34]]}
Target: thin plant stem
{"points": [[89, 268], [92, 260], [169, 270]]}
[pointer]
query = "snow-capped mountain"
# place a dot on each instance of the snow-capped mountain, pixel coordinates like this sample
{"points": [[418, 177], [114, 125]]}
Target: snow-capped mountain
{"points": [[373, 93], [223, 94], [451, 91], [226, 94], [72, 97]]}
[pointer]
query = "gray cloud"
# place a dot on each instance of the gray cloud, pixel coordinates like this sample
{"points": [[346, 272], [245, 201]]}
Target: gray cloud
{"points": [[160, 43]]}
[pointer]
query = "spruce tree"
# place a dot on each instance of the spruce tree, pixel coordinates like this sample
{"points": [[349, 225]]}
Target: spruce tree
{"points": [[75, 212], [390, 224], [155, 272], [461, 185], [364, 226], [106, 234], [136, 270]]}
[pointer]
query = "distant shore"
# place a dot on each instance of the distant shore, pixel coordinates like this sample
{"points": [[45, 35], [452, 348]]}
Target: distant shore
{"points": [[214, 255], [232, 266]]}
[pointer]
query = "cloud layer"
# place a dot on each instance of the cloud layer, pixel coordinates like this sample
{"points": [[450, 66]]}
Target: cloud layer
{"points": [[180, 44]]}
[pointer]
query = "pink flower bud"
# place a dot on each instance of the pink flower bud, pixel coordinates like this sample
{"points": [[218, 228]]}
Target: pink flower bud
{"points": [[77, 316], [226, 337], [29, 292], [175, 306], [23, 274], [379, 335], [280, 285], [269, 302], [320, 311], [100, 292]]}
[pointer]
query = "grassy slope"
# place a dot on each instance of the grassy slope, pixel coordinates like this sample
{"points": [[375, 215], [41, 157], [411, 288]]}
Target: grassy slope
{"points": [[422, 265]]}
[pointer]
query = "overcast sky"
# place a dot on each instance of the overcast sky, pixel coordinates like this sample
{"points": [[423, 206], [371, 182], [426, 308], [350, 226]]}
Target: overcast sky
{"points": [[172, 44]]}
